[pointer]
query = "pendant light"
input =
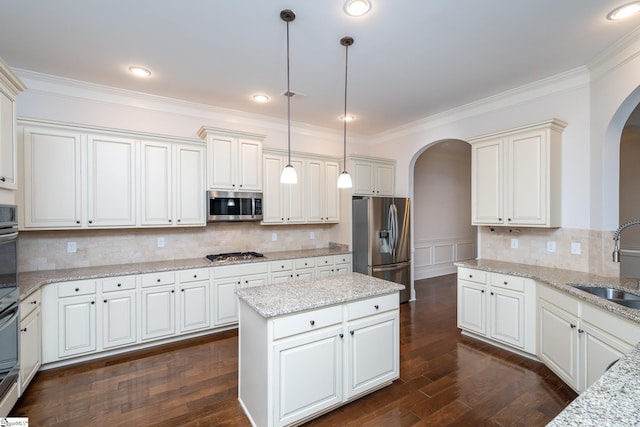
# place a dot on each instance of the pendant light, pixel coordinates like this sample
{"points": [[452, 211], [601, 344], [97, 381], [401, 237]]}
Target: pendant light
{"points": [[289, 175], [344, 180]]}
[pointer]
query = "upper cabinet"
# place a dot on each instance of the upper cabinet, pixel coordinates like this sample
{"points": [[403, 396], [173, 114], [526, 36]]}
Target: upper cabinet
{"points": [[234, 160], [77, 177], [372, 177], [516, 176], [10, 87]]}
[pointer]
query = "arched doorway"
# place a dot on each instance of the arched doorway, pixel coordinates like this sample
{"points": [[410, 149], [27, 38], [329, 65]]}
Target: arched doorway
{"points": [[443, 233]]}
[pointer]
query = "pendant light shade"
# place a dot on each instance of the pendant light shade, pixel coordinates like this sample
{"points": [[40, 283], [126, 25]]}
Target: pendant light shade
{"points": [[288, 175], [344, 180]]}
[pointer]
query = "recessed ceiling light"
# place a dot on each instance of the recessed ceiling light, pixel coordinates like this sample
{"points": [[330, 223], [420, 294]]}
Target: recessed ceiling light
{"points": [[624, 11], [260, 98], [357, 7], [348, 118], [139, 71]]}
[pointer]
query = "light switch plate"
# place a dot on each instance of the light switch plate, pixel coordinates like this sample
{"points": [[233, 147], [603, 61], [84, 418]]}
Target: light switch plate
{"points": [[514, 243], [576, 248], [274, 236]]}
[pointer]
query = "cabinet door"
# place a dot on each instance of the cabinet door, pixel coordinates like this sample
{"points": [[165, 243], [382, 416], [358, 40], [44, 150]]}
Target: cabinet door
{"points": [[156, 188], [158, 312], [7, 142], [111, 181], [225, 301], [190, 189], [119, 324], [363, 178], [472, 307], [273, 194], [256, 280], [314, 197], [295, 197], [222, 162], [384, 175], [558, 342], [507, 317], [52, 172], [331, 200], [281, 277], [373, 352], [598, 350], [487, 182], [30, 347], [249, 165], [76, 325], [194, 306], [308, 374], [527, 179]]}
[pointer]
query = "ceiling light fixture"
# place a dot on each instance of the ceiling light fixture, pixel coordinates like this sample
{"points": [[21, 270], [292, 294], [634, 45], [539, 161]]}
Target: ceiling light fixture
{"points": [[624, 11], [344, 180], [357, 7], [139, 71], [348, 118], [289, 175], [260, 98]]}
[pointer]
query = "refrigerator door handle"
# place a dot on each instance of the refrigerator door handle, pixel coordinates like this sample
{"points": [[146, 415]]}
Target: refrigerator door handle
{"points": [[391, 267]]}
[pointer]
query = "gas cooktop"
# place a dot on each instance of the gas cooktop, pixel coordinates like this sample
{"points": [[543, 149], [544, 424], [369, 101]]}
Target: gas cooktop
{"points": [[234, 256]]}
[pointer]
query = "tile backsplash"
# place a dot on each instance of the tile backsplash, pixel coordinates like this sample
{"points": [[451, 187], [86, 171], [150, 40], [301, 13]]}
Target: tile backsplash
{"points": [[47, 250], [533, 246]]}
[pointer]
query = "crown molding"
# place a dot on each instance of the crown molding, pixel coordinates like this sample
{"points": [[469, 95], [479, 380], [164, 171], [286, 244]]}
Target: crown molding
{"points": [[620, 53]]}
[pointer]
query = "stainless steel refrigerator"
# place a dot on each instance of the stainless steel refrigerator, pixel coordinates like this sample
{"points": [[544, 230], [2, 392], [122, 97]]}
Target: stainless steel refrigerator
{"points": [[381, 239]]}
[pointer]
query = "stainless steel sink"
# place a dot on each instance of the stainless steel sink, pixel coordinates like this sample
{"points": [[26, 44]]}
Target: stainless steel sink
{"points": [[618, 296], [631, 303]]}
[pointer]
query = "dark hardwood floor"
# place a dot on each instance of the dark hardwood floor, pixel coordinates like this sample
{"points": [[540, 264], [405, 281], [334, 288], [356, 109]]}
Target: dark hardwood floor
{"points": [[445, 379]]}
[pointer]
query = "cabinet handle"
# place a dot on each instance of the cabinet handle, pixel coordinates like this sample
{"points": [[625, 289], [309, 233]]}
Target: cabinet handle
{"points": [[179, 220], [352, 332], [34, 302], [93, 302], [25, 330], [282, 219], [77, 289], [246, 281], [158, 280], [3, 179], [173, 291], [491, 293], [313, 322], [471, 276], [195, 276], [508, 219], [572, 326], [182, 290], [90, 221], [238, 282], [341, 335], [233, 185], [292, 276], [482, 291], [77, 222], [169, 219], [119, 284], [505, 282], [499, 219], [240, 185], [580, 331], [376, 306], [105, 301]]}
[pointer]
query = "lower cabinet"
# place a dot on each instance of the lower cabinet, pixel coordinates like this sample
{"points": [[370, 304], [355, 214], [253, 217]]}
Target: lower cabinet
{"points": [[579, 341], [119, 323], [317, 359], [30, 339], [158, 312], [76, 325], [194, 306]]}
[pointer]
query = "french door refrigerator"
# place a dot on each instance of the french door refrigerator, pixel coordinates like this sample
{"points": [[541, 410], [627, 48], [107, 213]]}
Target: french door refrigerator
{"points": [[381, 239]]}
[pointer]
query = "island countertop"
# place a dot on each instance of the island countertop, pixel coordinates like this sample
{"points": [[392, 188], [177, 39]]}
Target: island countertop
{"points": [[284, 298]]}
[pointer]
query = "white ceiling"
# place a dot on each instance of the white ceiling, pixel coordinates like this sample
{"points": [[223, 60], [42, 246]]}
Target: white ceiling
{"points": [[411, 58]]}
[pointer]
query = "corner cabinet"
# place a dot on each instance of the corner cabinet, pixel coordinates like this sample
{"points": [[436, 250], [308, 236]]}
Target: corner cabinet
{"points": [[234, 159], [10, 87], [516, 176], [372, 177]]}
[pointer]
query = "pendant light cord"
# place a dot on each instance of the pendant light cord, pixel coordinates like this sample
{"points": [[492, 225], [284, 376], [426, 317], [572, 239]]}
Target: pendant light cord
{"points": [[344, 118], [288, 102]]}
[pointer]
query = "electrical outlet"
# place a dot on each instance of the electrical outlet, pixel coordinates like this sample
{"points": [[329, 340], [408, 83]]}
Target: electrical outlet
{"points": [[312, 235], [576, 248], [71, 247], [514, 243], [161, 242], [551, 246], [274, 236]]}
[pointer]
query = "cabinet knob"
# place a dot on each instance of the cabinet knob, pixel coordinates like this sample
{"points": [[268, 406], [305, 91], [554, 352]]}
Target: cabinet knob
{"points": [[508, 219], [491, 293], [376, 306], [505, 282], [572, 325], [341, 335], [482, 291], [25, 330], [580, 331], [471, 276], [77, 289], [499, 219], [90, 221], [93, 302], [182, 290], [3, 179], [195, 276], [34, 302], [158, 280], [105, 301], [352, 332], [240, 185], [233, 185], [312, 322], [169, 219], [173, 291], [119, 284], [179, 220], [77, 222]]}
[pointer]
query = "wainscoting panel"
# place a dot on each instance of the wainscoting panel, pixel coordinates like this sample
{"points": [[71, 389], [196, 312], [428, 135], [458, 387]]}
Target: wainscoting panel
{"points": [[434, 258]]}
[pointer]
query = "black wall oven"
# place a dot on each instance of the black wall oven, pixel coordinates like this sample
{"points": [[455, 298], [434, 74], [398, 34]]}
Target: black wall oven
{"points": [[9, 299]]}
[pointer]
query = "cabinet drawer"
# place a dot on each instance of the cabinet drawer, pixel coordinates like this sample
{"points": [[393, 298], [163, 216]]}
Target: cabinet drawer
{"points": [[157, 279], [119, 283], [30, 303], [80, 287], [305, 263], [369, 306], [284, 265], [195, 275], [507, 282], [342, 259], [306, 321], [324, 261], [238, 270], [471, 275]]}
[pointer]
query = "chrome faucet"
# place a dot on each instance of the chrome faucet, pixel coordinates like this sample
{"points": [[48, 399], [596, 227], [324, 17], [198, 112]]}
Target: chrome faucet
{"points": [[616, 239]]}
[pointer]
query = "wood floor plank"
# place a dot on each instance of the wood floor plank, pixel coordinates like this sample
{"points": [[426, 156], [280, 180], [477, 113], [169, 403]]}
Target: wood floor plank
{"points": [[446, 379]]}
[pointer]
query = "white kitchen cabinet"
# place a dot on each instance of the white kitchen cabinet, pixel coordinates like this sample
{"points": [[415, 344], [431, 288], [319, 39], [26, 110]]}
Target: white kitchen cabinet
{"points": [[76, 325], [225, 301], [194, 306], [172, 184], [372, 177], [30, 339], [498, 307], [322, 196], [158, 312], [516, 176], [234, 160], [282, 203], [119, 324], [305, 268], [281, 271], [111, 174], [52, 195], [10, 87], [578, 340]]}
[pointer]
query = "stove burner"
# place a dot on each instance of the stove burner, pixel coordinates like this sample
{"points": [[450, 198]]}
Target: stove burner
{"points": [[234, 256]]}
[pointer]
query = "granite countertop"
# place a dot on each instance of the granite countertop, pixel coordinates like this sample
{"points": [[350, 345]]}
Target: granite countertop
{"points": [[563, 280], [611, 401], [284, 298], [32, 280]]}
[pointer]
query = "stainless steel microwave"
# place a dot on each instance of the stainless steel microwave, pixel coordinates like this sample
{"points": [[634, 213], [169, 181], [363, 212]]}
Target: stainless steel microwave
{"points": [[234, 206]]}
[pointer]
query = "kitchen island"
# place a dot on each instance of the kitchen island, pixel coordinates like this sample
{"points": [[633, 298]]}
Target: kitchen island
{"points": [[307, 347]]}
